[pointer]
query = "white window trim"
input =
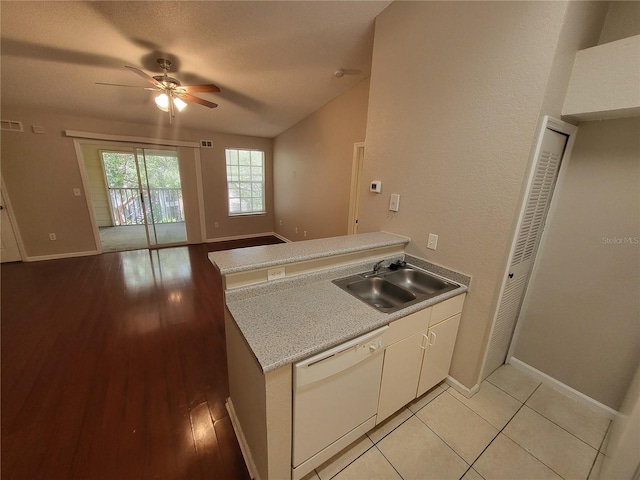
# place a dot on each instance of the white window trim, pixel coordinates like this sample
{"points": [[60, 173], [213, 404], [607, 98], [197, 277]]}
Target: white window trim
{"points": [[264, 186]]}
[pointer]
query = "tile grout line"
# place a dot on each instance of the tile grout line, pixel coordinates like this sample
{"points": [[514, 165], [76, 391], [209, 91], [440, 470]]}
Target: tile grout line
{"points": [[561, 427], [385, 457], [543, 415], [530, 453], [503, 390], [505, 426], [413, 414], [442, 439], [348, 464], [595, 460]]}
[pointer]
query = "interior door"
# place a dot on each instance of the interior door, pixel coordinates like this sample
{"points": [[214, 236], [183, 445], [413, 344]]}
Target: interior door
{"points": [[545, 173], [356, 183], [9, 251]]}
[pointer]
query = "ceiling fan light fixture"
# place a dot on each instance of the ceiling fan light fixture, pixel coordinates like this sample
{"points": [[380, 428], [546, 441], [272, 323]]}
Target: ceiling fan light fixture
{"points": [[162, 102], [179, 104]]}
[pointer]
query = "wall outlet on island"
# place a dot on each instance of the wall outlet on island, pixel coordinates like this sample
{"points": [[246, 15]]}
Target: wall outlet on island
{"points": [[275, 273], [432, 243]]}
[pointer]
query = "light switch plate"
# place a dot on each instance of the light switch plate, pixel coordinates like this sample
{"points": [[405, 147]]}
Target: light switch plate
{"points": [[394, 202], [433, 241]]}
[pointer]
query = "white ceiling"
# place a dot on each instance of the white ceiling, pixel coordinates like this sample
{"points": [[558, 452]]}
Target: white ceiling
{"points": [[273, 61]]}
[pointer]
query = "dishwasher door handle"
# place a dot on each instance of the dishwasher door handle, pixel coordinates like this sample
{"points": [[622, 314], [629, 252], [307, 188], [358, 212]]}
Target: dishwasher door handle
{"points": [[337, 359]]}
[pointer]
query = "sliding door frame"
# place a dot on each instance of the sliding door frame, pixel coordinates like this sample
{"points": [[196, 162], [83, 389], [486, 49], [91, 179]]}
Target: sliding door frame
{"points": [[86, 138]]}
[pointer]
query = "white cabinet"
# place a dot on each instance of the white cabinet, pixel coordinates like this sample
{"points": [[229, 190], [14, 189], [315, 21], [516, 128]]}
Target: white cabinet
{"points": [[438, 352], [400, 375], [418, 354]]}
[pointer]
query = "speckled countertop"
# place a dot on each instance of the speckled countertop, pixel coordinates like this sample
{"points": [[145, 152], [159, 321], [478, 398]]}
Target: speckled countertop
{"points": [[287, 320], [243, 259]]}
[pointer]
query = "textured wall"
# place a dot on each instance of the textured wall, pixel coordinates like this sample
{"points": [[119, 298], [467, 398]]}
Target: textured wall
{"points": [[581, 324], [312, 167], [41, 171], [456, 93]]}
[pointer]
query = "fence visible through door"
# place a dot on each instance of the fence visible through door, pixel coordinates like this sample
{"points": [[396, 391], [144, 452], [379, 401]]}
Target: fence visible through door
{"points": [[144, 195]]}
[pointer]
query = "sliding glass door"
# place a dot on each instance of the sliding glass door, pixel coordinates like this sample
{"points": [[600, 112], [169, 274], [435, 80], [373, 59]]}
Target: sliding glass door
{"points": [[145, 197]]}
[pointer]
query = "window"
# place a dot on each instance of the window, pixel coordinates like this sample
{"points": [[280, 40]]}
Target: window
{"points": [[245, 181]]}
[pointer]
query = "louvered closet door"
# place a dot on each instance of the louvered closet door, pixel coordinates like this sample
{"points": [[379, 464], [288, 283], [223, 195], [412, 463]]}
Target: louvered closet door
{"points": [[528, 237]]}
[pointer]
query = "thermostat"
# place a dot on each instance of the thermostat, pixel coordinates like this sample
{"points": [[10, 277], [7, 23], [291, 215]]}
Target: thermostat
{"points": [[376, 186]]}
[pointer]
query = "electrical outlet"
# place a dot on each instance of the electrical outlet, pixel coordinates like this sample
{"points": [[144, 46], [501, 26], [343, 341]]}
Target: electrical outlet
{"points": [[296, 229], [280, 222], [275, 273], [304, 234], [216, 224], [76, 192], [433, 241], [52, 236]]}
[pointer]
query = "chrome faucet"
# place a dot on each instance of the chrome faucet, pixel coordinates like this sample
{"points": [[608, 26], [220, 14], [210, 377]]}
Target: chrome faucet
{"points": [[377, 266]]}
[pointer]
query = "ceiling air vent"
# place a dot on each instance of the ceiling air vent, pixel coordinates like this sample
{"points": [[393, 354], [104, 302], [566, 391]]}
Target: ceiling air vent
{"points": [[12, 125], [206, 144]]}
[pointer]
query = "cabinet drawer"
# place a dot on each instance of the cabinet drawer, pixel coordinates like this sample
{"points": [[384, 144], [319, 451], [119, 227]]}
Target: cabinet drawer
{"points": [[446, 309], [407, 326]]}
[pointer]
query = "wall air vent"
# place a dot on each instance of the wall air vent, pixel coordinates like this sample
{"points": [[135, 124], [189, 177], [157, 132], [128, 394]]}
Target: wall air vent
{"points": [[206, 144], [12, 125]]}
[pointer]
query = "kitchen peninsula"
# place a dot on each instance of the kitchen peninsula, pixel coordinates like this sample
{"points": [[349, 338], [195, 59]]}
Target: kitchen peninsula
{"points": [[282, 308]]}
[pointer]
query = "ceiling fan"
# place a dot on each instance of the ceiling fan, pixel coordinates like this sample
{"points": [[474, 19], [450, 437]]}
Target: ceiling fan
{"points": [[172, 95]]}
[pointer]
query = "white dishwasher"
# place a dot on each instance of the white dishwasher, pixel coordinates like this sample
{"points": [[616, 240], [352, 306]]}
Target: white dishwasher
{"points": [[335, 399]]}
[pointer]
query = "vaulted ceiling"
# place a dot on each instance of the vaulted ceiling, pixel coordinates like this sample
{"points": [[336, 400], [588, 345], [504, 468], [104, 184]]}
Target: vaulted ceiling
{"points": [[273, 61]]}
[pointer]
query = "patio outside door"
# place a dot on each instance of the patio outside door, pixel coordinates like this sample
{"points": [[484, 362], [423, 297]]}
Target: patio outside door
{"points": [[145, 199]]}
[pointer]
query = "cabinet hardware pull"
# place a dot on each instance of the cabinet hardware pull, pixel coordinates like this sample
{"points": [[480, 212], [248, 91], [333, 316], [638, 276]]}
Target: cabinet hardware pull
{"points": [[434, 339], [424, 337]]}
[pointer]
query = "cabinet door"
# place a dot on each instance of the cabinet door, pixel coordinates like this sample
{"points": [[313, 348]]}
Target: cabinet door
{"points": [[400, 375], [438, 353]]}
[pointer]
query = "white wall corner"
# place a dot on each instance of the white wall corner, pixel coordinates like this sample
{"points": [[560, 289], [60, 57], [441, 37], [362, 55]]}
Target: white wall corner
{"points": [[467, 392]]}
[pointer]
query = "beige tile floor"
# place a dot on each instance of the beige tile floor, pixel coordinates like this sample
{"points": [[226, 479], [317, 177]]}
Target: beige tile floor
{"points": [[513, 428]]}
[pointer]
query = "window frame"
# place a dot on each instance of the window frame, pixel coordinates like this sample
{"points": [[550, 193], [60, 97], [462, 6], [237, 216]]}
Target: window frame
{"points": [[229, 180]]}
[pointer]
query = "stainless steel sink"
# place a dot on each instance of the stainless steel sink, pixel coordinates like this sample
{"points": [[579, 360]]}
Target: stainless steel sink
{"points": [[379, 293], [416, 281], [390, 290]]}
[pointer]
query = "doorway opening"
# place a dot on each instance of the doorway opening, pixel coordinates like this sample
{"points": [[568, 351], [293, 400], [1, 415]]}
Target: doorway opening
{"points": [[356, 184], [137, 197]]}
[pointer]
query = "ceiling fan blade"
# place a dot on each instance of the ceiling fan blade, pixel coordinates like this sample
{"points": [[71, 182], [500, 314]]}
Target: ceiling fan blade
{"points": [[139, 72], [117, 85], [200, 88], [191, 98]]}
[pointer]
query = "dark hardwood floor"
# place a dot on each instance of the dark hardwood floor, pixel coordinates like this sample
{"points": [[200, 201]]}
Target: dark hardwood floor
{"points": [[114, 367]]}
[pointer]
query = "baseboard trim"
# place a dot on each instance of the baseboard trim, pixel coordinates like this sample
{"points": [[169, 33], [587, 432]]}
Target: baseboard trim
{"points": [[58, 256], [242, 441], [241, 237], [600, 408], [467, 392], [284, 239]]}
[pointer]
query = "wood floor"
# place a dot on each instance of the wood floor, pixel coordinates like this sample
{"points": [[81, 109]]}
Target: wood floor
{"points": [[113, 367]]}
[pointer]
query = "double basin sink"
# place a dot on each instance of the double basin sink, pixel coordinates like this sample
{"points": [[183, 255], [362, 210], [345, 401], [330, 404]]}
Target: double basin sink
{"points": [[390, 290]]}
